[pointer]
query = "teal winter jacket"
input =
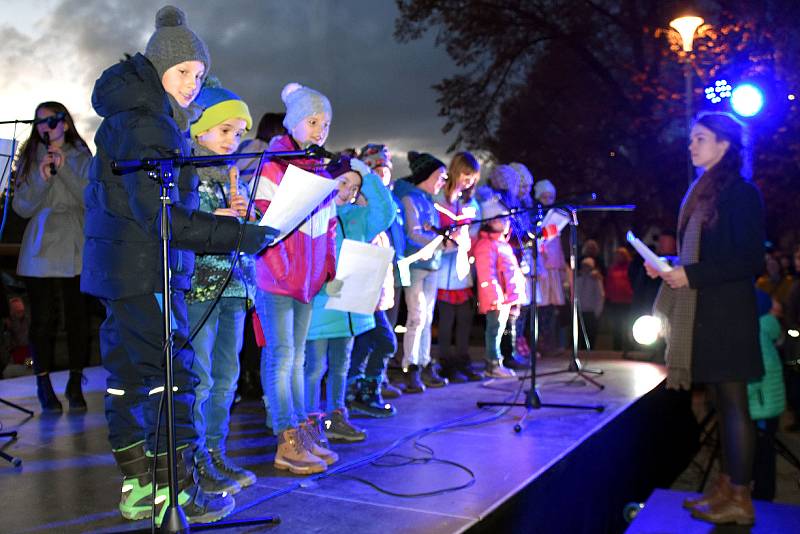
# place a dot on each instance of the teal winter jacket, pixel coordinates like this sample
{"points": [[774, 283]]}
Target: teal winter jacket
{"points": [[767, 396], [359, 223]]}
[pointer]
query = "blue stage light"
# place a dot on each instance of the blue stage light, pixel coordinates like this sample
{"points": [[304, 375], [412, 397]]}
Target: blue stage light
{"points": [[747, 100]]}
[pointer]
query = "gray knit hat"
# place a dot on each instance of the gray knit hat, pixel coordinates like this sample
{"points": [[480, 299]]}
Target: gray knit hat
{"points": [[173, 42], [302, 101]]}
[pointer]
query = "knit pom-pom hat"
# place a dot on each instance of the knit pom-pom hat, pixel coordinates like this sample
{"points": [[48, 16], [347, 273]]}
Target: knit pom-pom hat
{"points": [[219, 104], [173, 42], [302, 101]]}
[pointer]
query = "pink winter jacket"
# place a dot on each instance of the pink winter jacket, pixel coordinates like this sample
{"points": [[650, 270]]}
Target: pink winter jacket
{"points": [[500, 280], [302, 262]]}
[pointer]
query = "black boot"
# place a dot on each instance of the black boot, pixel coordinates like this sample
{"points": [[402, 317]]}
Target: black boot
{"points": [[368, 400], [431, 377], [465, 366], [452, 371], [211, 479], [414, 379], [74, 392], [47, 397]]}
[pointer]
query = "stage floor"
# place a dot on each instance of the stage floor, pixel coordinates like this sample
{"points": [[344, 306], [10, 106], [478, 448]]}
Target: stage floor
{"points": [[68, 481]]}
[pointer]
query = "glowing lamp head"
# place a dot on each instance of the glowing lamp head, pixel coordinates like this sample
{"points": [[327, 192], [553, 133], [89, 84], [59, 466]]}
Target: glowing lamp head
{"points": [[686, 26], [747, 100], [647, 329]]}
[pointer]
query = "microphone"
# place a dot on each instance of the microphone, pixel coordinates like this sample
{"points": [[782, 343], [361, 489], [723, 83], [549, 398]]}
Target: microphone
{"points": [[316, 151], [46, 138], [52, 121]]}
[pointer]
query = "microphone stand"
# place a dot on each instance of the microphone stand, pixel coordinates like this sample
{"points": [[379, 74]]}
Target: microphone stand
{"points": [[532, 399], [575, 364], [161, 170]]}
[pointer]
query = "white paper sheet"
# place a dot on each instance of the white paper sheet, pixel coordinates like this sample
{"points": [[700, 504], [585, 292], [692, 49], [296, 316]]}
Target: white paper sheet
{"points": [[362, 267], [426, 252], [298, 194], [648, 255]]}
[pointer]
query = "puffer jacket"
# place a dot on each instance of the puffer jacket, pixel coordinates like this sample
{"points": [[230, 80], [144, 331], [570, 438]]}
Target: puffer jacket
{"points": [[419, 215], [359, 223], [52, 245], [767, 396], [500, 280], [304, 260], [122, 252]]}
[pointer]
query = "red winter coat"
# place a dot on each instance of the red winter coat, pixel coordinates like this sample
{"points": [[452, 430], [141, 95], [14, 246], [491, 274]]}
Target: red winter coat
{"points": [[304, 260], [500, 280]]}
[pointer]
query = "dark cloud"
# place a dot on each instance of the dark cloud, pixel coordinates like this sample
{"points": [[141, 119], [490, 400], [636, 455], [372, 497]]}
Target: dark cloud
{"points": [[380, 89]]}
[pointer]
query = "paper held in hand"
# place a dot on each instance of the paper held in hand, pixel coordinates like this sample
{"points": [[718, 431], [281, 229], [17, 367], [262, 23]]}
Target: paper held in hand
{"points": [[650, 257], [362, 267], [298, 194], [426, 252]]}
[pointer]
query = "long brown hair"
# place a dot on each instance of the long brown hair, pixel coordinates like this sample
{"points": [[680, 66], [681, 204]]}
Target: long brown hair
{"points": [[462, 163], [27, 152], [733, 167]]}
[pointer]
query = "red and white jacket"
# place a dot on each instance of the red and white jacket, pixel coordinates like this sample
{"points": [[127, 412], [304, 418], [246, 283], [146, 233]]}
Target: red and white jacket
{"points": [[500, 280], [305, 259]]}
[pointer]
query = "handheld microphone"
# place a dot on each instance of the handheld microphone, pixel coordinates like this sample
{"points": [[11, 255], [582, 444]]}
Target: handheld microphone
{"points": [[52, 121], [46, 138], [316, 151]]}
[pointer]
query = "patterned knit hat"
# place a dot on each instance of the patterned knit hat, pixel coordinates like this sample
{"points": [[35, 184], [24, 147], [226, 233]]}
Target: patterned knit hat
{"points": [[422, 166], [219, 104], [302, 101], [173, 42], [525, 176], [375, 155]]}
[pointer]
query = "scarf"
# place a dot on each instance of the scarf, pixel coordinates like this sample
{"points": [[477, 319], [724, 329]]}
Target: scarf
{"points": [[184, 117], [676, 307]]}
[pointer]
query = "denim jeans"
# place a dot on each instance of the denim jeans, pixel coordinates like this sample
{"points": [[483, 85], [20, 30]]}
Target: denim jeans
{"points": [[331, 354], [420, 302], [285, 322], [216, 363], [372, 349], [496, 321]]}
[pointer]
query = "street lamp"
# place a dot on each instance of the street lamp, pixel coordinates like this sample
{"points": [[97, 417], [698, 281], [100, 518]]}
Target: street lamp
{"points": [[686, 27]]}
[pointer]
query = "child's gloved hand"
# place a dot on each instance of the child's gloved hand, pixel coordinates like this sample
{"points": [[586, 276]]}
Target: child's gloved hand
{"points": [[334, 288], [360, 167], [256, 238]]}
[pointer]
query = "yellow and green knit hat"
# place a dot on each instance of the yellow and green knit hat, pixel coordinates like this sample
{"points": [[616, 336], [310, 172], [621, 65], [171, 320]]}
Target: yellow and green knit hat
{"points": [[219, 104]]}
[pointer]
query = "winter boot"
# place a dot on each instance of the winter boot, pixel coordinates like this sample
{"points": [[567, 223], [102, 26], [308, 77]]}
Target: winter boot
{"points": [[136, 501], [388, 390], [47, 397], [414, 379], [465, 366], [293, 456], [431, 377], [198, 506], [227, 468], [339, 427], [737, 508], [720, 490], [368, 400], [452, 372], [74, 392], [211, 480], [317, 442]]}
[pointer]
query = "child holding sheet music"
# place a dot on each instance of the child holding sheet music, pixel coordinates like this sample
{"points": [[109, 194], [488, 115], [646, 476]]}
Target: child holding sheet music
{"points": [[288, 276], [219, 338], [331, 334]]}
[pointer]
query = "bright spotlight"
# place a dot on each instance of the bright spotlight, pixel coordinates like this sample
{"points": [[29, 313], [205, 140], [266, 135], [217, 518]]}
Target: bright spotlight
{"points": [[647, 329], [747, 100]]}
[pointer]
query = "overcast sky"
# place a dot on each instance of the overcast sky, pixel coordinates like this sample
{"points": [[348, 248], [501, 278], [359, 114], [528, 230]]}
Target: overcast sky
{"points": [[380, 90]]}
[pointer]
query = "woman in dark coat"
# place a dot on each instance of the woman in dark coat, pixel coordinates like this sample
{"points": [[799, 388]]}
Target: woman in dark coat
{"points": [[710, 306]]}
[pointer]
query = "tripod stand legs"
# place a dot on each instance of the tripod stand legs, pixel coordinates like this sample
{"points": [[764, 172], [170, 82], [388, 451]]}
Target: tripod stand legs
{"points": [[17, 406], [13, 460]]}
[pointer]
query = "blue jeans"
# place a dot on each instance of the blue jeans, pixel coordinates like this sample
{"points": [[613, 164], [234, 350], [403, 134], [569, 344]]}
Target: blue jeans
{"points": [[216, 362], [372, 349], [496, 321], [285, 322], [332, 354]]}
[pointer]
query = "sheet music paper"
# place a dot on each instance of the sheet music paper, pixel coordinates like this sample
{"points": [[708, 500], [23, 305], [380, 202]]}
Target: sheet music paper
{"points": [[362, 268], [648, 255]]}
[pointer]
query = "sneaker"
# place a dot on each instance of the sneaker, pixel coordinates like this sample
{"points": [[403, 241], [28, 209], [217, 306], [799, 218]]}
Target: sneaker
{"points": [[74, 392], [431, 377], [497, 370], [339, 427], [316, 441], [389, 391], [293, 456], [136, 500], [414, 382], [224, 465], [367, 399], [198, 506], [211, 480]]}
